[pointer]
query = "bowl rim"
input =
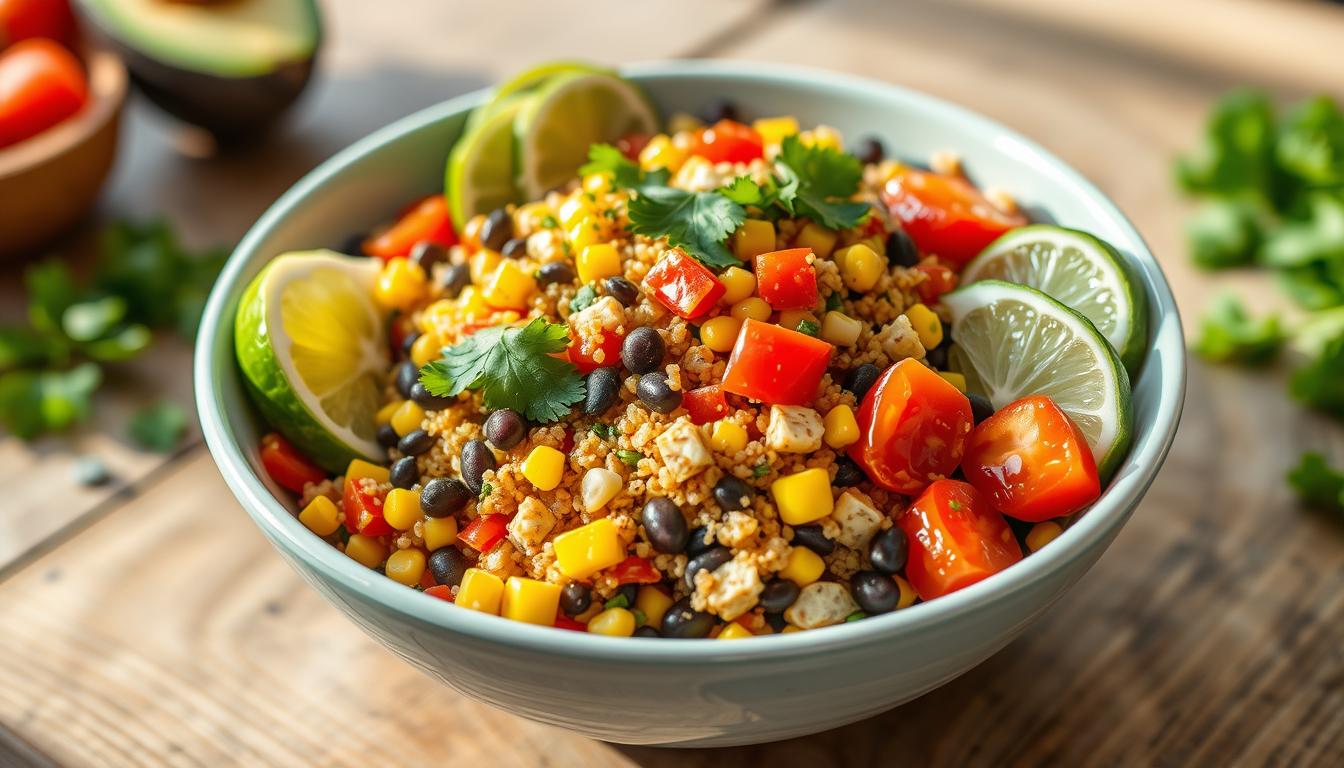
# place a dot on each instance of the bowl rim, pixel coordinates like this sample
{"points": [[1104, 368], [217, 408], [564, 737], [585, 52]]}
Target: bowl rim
{"points": [[1101, 521]]}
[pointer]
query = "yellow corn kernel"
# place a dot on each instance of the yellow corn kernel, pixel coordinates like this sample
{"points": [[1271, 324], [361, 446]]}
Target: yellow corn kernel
{"points": [[734, 631], [406, 566], [407, 418], [720, 333], [660, 152], [481, 264], [738, 284], [426, 349], [955, 379], [480, 591], [842, 428], [653, 603], [753, 238], [908, 595], [365, 550], [878, 245], [508, 287], [439, 532], [614, 622], [1042, 534], [820, 239], [728, 437], [803, 496], [401, 509], [358, 469], [926, 324], [544, 467], [840, 329], [588, 549], [803, 567], [823, 136], [860, 267], [790, 318], [754, 308], [789, 628], [572, 210], [401, 285], [598, 261], [530, 601], [773, 130], [321, 516], [585, 232], [384, 414], [597, 183], [472, 302]]}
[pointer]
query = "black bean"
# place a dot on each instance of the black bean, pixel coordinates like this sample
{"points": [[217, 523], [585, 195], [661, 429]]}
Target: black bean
{"points": [[455, 278], [654, 391], [415, 442], [665, 525], [874, 592], [505, 428], [981, 408], [708, 560], [629, 591], [647, 631], [575, 598], [387, 436], [937, 357], [448, 564], [515, 248], [404, 473], [555, 272], [696, 544], [428, 400], [901, 250], [427, 253], [810, 536], [871, 150], [406, 376], [722, 109], [622, 290], [887, 551], [778, 595], [604, 389], [776, 621], [407, 342], [731, 493], [354, 244], [860, 379], [682, 622], [643, 350], [847, 474], [497, 229], [476, 459], [444, 496]]}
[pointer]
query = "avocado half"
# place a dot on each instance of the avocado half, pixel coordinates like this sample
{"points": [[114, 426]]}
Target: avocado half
{"points": [[229, 66]]}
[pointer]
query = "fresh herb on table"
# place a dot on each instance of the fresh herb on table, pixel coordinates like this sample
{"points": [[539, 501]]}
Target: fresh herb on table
{"points": [[1228, 335], [1317, 484], [158, 427]]}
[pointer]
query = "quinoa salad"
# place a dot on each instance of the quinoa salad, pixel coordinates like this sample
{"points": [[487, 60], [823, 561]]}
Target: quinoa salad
{"points": [[717, 377]]}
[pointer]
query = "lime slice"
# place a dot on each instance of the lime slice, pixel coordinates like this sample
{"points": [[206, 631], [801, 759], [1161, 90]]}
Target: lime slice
{"points": [[1080, 271], [310, 342], [1013, 341], [525, 82], [480, 172], [571, 112]]}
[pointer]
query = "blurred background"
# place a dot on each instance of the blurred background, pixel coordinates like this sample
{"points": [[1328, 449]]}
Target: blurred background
{"points": [[144, 620]]}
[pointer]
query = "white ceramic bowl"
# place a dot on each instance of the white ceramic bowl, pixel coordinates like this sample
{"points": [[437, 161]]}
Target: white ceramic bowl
{"points": [[700, 693]]}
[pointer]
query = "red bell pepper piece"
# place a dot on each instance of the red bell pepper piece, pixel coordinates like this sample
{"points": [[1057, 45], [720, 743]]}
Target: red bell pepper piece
{"points": [[786, 279], [286, 466], [683, 285], [946, 215], [705, 404], [564, 622], [776, 365], [441, 591], [363, 511], [955, 539], [427, 220], [588, 354], [729, 141], [635, 570], [631, 144], [483, 533], [938, 280]]}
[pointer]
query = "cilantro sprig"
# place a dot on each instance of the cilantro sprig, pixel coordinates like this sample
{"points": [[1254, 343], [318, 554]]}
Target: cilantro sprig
{"points": [[697, 222], [1317, 483], [513, 368], [1229, 335]]}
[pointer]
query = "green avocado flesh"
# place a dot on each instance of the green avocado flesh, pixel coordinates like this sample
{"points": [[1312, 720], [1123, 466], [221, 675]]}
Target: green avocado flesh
{"points": [[237, 38]]}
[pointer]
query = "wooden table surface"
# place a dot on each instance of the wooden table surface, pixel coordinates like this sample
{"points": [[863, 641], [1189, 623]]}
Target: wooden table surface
{"points": [[147, 622]]}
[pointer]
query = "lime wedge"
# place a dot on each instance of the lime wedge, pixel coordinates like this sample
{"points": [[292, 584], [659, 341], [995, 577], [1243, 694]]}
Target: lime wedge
{"points": [[1078, 270], [571, 112], [480, 173], [310, 342], [525, 82], [1013, 341]]}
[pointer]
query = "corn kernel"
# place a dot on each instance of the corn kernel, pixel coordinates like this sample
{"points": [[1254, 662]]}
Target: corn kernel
{"points": [[358, 469], [365, 550], [820, 239], [572, 210], [481, 264], [401, 509], [803, 496], [480, 591], [753, 238], [860, 267], [472, 302], [728, 437], [439, 532], [660, 152], [789, 628], [791, 318], [955, 379], [842, 428], [878, 245], [823, 136], [926, 324], [384, 414], [840, 329], [1042, 534], [803, 567], [773, 130], [401, 285], [407, 418], [321, 516], [908, 595], [614, 622], [588, 549], [426, 349], [738, 284], [585, 232], [653, 603], [598, 261], [530, 601], [508, 287], [720, 333], [597, 183], [754, 308], [734, 631], [406, 566], [544, 467]]}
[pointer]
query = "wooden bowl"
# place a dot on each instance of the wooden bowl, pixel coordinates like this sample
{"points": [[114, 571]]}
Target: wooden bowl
{"points": [[49, 181]]}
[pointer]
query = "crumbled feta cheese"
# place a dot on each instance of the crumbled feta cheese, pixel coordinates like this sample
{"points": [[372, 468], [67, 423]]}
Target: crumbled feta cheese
{"points": [[899, 340], [683, 450], [530, 526], [794, 429], [500, 561], [732, 588], [821, 604], [859, 521], [605, 314], [737, 529]]}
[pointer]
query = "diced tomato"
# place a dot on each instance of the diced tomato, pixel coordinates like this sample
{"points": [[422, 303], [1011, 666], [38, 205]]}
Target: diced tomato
{"points": [[441, 591], [631, 144], [1032, 461], [938, 280], [41, 84], [483, 533], [427, 579], [912, 428], [946, 215], [786, 279], [363, 511], [564, 622], [728, 141], [776, 365], [427, 220], [567, 444], [24, 19], [874, 225], [705, 404], [955, 539], [286, 466], [635, 570], [589, 353], [683, 285]]}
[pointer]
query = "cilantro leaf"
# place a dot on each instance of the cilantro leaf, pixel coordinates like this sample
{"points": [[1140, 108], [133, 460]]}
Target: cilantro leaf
{"points": [[824, 180], [1320, 383], [1311, 142], [697, 222], [513, 368], [1238, 152], [1317, 236], [744, 192], [35, 401], [1223, 233], [163, 284], [1229, 335], [158, 427], [1316, 483], [625, 173], [583, 298]]}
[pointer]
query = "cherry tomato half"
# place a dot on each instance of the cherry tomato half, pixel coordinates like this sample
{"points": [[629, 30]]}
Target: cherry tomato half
{"points": [[24, 19], [946, 215], [286, 466], [955, 539], [363, 511], [588, 353], [41, 84], [938, 280], [729, 141]]}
